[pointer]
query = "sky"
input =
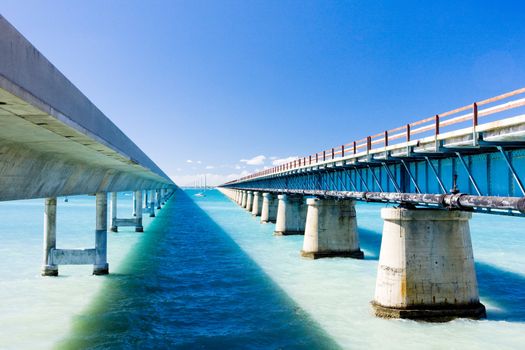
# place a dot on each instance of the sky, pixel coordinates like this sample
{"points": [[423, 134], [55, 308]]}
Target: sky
{"points": [[225, 88]]}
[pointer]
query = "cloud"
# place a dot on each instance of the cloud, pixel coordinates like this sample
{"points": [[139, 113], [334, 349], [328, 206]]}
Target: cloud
{"points": [[280, 161], [210, 167], [189, 161], [199, 162], [257, 160]]}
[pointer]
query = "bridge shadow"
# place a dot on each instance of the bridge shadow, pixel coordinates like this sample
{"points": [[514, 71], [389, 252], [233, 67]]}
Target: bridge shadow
{"points": [[370, 241], [502, 289]]}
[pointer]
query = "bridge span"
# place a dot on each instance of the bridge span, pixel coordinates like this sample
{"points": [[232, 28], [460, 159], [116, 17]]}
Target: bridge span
{"points": [[55, 142], [438, 170]]}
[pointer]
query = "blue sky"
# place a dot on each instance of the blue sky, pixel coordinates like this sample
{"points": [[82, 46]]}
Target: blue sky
{"points": [[233, 86]]}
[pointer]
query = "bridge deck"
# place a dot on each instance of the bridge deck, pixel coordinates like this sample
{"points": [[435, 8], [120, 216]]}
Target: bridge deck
{"points": [[453, 152], [53, 140]]}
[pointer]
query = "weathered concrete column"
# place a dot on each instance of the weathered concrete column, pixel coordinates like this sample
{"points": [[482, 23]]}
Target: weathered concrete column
{"points": [[138, 224], [163, 196], [101, 235], [134, 204], [50, 236], [331, 229], [244, 197], [269, 208], [114, 227], [158, 197], [291, 215], [426, 266], [249, 200], [257, 203], [152, 204], [237, 196]]}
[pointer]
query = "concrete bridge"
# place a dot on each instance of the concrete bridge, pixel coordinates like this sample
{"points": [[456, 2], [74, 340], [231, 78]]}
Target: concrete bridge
{"points": [[439, 170], [55, 142]]}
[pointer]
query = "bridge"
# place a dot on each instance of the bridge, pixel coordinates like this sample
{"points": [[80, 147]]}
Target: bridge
{"points": [[55, 142], [438, 170]]}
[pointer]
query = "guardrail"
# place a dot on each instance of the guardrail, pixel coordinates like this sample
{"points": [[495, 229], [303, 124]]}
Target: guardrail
{"points": [[466, 116]]}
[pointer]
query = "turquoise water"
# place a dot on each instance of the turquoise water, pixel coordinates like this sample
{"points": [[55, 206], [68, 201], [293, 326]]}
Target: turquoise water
{"points": [[206, 274]]}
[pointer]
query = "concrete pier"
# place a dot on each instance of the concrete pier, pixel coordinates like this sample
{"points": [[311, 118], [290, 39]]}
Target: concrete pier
{"points": [[158, 198], [114, 227], [269, 208], [152, 204], [257, 203], [244, 197], [134, 204], [249, 200], [426, 266], [331, 229], [291, 215], [101, 266], [138, 224], [50, 238]]}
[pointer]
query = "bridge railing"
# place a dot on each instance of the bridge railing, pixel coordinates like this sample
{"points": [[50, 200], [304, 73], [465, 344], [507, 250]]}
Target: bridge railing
{"points": [[468, 116]]}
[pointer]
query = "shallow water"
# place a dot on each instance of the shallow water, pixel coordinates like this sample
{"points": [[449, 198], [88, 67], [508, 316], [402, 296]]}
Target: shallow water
{"points": [[206, 274], [336, 292]]}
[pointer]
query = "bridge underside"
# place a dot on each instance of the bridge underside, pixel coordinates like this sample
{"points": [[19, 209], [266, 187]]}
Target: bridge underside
{"points": [[43, 157]]}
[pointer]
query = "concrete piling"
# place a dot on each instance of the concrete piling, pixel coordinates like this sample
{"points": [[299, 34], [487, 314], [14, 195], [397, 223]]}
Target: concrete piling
{"points": [[291, 215], [244, 197], [426, 266], [269, 208], [138, 224], [50, 222], [114, 227], [101, 266], [249, 201], [257, 203], [331, 229], [152, 204]]}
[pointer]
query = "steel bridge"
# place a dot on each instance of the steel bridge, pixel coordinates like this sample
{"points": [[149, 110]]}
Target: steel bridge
{"points": [[470, 158]]}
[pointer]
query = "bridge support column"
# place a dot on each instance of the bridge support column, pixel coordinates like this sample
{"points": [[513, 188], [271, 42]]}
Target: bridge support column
{"points": [[50, 238], [101, 266], [152, 204], [97, 256], [157, 194], [134, 204], [114, 227], [244, 199], [269, 208], [331, 229], [257, 203], [249, 200], [426, 266], [291, 215], [138, 223]]}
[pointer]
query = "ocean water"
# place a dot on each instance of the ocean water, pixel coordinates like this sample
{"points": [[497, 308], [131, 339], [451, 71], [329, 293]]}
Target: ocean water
{"points": [[206, 274]]}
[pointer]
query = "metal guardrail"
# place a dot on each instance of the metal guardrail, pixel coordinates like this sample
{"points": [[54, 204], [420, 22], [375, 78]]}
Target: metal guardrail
{"points": [[432, 126]]}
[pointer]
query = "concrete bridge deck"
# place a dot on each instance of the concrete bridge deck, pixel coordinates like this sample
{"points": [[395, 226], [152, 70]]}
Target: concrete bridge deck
{"points": [[53, 140]]}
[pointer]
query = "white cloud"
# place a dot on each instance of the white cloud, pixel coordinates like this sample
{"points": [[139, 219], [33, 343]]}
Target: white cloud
{"points": [[280, 161], [257, 160], [199, 162], [238, 167], [189, 161], [210, 167]]}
